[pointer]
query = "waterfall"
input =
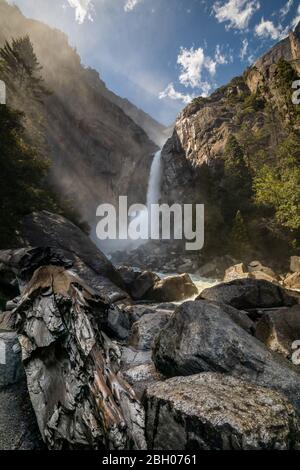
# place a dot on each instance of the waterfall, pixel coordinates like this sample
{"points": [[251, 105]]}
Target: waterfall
{"points": [[154, 184]]}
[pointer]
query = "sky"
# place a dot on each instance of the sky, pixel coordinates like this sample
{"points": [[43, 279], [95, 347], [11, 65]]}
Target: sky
{"points": [[160, 54]]}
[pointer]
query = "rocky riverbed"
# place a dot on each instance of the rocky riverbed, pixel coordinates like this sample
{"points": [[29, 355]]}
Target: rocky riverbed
{"points": [[97, 355]]}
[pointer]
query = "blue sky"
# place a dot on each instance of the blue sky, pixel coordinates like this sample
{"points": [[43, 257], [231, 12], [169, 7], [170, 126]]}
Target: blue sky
{"points": [[161, 53]]}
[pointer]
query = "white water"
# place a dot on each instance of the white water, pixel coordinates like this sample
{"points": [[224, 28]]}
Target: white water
{"points": [[153, 193]]}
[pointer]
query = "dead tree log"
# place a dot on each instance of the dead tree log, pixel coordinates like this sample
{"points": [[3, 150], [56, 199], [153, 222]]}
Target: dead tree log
{"points": [[77, 390]]}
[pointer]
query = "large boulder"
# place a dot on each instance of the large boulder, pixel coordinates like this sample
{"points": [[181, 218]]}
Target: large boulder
{"points": [[172, 288], [201, 337], [249, 294], [145, 331], [79, 395], [218, 412], [47, 230], [279, 329]]}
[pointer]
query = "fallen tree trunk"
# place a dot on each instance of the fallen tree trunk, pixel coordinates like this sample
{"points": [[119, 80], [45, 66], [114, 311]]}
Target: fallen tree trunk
{"points": [[77, 390]]}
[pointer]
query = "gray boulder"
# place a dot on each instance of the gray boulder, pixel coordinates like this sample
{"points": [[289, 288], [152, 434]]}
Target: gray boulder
{"points": [[201, 337], [249, 294], [218, 412], [145, 331]]}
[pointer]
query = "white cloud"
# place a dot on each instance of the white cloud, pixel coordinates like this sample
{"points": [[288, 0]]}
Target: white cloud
{"points": [[296, 19], [267, 29], [286, 8], [244, 49], [193, 62], [171, 93], [82, 9], [220, 58], [131, 4], [236, 12]]}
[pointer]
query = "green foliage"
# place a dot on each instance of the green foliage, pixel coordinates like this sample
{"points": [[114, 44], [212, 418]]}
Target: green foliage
{"points": [[278, 187], [284, 77], [22, 177], [238, 238], [236, 183]]}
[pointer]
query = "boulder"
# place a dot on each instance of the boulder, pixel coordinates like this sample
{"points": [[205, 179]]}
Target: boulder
{"points": [[145, 331], [74, 377], [249, 294], [292, 281], [279, 329], [173, 288], [128, 274], [131, 357], [238, 271], [295, 264], [201, 337], [143, 283], [256, 268], [11, 367], [44, 229], [141, 377], [218, 412]]}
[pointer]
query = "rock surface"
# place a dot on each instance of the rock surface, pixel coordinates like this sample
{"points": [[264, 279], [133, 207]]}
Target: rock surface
{"points": [[201, 337], [145, 331], [73, 372], [218, 412], [172, 288], [279, 329], [249, 294]]}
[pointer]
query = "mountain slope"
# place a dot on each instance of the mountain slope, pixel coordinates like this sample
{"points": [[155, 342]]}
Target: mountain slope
{"points": [[98, 151], [223, 146]]}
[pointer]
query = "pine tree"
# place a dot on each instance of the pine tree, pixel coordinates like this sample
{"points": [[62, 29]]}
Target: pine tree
{"points": [[20, 67]]}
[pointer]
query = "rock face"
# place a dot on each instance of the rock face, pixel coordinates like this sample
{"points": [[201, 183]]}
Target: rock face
{"points": [[58, 238], [279, 329], [73, 372], [194, 158], [218, 412], [249, 294], [201, 337], [97, 155]]}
